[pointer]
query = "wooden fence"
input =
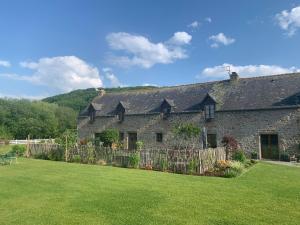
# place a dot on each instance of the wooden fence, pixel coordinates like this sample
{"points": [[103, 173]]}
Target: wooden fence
{"points": [[194, 161]]}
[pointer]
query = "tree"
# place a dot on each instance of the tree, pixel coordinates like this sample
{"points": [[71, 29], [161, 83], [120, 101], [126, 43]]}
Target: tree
{"points": [[109, 136]]}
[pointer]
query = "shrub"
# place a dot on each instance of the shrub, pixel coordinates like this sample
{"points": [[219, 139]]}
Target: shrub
{"points": [[134, 160], [221, 166], [163, 165], [230, 144], [56, 154], [192, 166], [76, 159], [42, 155], [139, 145], [18, 150], [108, 137], [235, 169], [239, 156], [254, 155], [284, 156]]}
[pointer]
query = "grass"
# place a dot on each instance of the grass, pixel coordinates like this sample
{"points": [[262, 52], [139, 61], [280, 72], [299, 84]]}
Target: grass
{"points": [[46, 192], [4, 149]]}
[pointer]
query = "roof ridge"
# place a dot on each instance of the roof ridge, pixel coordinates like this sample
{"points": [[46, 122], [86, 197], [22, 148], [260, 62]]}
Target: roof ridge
{"points": [[162, 88], [269, 76]]}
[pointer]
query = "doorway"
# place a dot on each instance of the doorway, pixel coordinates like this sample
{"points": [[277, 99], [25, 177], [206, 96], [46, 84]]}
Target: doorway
{"points": [[132, 139], [269, 146]]}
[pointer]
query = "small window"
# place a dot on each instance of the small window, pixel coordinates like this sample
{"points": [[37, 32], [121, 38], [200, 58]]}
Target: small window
{"points": [[121, 116], [209, 111], [92, 115], [159, 137], [212, 140], [121, 136]]}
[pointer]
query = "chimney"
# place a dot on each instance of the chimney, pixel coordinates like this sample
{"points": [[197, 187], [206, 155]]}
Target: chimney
{"points": [[234, 77], [101, 92]]}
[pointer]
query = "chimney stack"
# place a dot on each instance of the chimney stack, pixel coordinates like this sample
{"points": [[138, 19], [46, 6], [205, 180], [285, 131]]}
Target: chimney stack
{"points": [[234, 77]]}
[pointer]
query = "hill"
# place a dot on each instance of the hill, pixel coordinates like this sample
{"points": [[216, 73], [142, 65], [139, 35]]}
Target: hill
{"points": [[20, 117], [79, 99]]}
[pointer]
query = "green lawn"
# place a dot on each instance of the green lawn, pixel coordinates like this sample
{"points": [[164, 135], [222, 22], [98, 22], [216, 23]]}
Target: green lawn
{"points": [[4, 148], [43, 192]]}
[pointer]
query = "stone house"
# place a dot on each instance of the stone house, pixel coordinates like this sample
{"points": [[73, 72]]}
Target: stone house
{"points": [[261, 113]]}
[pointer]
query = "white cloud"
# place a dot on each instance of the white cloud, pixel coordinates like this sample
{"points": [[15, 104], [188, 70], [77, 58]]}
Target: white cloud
{"points": [[5, 63], [114, 81], [220, 39], [180, 38], [219, 72], [208, 19], [63, 73], [140, 51], [289, 20], [194, 24]]}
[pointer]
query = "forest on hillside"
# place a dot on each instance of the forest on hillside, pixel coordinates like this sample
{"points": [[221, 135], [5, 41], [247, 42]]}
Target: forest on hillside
{"points": [[79, 99], [19, 118]]}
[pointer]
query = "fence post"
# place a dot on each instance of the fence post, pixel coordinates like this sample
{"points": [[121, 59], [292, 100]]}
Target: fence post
{"points": [[28, 149], [66, 152]]}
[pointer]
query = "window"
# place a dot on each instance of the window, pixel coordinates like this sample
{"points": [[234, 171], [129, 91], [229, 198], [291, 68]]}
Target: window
{"points": [[92, 115], [209, 111], [212, 140], [159, 137], [121, 116], [121, 136]]}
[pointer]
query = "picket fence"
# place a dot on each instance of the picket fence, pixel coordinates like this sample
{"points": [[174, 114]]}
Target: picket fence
{"points": [[195, 161]]}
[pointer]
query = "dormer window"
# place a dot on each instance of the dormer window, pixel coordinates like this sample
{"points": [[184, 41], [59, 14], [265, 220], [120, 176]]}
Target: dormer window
{"points": [[209, 111], [120, 112], [92, 115], [121, 116], [166, 108]]}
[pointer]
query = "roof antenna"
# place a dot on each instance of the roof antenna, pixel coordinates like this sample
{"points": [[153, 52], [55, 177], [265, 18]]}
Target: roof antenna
{"points": [[227, 68]]}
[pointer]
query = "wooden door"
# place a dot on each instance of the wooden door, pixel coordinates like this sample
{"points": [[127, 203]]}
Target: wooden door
{"points": [[269, 146], [132, 139]]}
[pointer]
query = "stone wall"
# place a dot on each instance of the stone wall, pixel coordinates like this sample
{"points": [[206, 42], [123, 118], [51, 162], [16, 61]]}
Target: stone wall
{"points": [[146, 126], [245, 126]]}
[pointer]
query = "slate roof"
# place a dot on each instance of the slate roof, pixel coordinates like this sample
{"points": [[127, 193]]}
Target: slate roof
{"points": [[263, 92]]}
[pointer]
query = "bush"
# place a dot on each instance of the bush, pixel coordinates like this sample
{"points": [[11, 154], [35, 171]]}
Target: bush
{"points": [[192, 166], [220, 167], [254, 155], [108, 137], [239, 156], [56, 154], [284, 156], [230, 144], [163, 165], [139, 145], [235, 169], [134, 160], [76, 159], [43, 156], [18, 150]]}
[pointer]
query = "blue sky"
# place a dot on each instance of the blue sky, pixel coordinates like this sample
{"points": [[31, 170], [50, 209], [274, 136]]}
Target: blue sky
{"points": [[51, 47]]}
